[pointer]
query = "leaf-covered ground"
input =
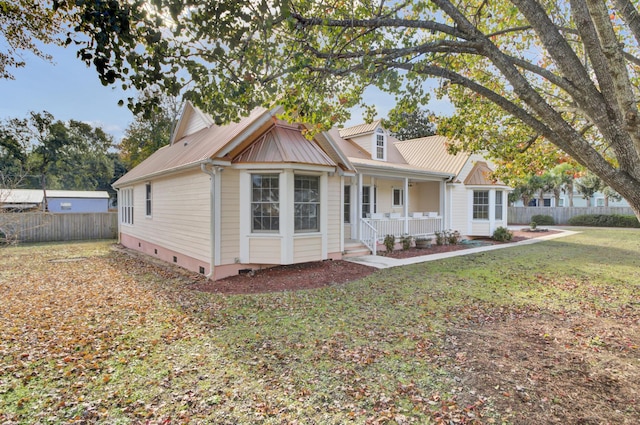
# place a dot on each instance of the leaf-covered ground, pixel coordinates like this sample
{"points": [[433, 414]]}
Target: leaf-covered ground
{"points": [[545, 333]]}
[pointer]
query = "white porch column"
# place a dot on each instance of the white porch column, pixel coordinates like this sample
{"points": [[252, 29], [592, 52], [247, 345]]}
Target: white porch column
{"points": [[405, 203]]}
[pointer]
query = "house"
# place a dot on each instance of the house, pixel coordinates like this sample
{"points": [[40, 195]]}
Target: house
{"points": [[223, 199], [58, 201]]}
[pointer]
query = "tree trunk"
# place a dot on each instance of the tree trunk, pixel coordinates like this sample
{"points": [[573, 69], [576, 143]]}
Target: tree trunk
{"points": [[43, 180]]}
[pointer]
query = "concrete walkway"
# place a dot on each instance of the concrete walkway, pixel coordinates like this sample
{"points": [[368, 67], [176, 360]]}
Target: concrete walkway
{"points": [[382, 262]]}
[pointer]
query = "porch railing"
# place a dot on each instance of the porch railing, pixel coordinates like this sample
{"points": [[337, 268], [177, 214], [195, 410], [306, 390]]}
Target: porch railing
{"points": [[415, 226], [368, 235]]}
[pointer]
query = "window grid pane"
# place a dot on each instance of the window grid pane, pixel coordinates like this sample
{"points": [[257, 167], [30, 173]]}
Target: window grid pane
{"points": [[499, 205], [265, 205], [347, 204], [481, 205], [306, 206]]}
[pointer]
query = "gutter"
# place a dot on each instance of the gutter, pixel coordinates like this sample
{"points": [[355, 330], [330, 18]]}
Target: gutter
{"points": [[167, 171], [211, 168]]}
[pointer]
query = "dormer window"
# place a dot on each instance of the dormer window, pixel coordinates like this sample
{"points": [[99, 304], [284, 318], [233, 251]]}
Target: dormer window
{"points": [[380, 148]]}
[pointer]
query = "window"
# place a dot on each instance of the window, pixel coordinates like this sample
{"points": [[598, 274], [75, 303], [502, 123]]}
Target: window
{"points": [[398, 197], [368, 200], [480, 204], [347, 204], [380, 143], [265, 202], [599, 202], [561, 202], [126, 206], [65, 206], [499, 205], [306, 204], [147, 199]]}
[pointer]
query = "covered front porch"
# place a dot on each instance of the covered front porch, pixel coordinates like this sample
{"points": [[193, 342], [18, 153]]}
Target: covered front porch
{"points": [[380, 204]]}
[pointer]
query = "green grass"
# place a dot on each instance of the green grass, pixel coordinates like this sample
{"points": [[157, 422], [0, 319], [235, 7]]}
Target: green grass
{"points": [[112, 339]]}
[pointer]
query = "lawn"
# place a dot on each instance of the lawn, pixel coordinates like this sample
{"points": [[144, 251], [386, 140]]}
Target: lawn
{"points": [[544, 333]]}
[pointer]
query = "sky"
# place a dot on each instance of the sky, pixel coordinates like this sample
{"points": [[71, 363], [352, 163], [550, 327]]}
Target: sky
{"points": [[68, 89]]}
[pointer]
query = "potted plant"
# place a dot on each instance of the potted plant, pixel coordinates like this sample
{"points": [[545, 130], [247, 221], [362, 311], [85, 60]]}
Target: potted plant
{"points": [[423, 242]]}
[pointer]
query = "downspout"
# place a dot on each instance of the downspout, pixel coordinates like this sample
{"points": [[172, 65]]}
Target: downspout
{"points": [[212, 171]]}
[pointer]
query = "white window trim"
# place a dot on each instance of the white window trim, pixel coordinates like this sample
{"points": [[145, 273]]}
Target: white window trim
{"points": [[381, 132], [393, 197], [148, 200], [126, 206]]}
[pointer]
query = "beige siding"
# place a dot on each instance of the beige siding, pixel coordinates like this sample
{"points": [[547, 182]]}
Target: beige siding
{"points": [[364, 142], [307, 249], [265, 250], [480, 228], [424, 197], [384, 194], [459, 209], [194, 124], [334, 218], [229, 216], [180, 214]]}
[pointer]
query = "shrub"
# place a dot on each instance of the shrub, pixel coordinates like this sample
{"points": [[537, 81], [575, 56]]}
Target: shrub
{"points": [[533, 225], [544, 220], [447, 237], [605, 220], [502, 234], [406, 242], [389, 242], [453, 237]]}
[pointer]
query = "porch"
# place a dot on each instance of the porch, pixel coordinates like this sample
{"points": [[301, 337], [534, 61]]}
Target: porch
{"points": [[374, 229]]}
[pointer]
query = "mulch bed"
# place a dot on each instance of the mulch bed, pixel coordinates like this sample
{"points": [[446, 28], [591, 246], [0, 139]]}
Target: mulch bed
{"points": [[323, 273]]}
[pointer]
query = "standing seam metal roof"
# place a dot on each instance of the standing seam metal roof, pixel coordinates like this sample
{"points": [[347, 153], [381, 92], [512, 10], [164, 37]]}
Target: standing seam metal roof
{"points": [[284, 144]]}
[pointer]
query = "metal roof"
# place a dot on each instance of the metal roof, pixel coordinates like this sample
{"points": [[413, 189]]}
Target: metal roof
{"points": [[431, 153], [16, 196], [190, 150], [284, 143], [358, 129]]}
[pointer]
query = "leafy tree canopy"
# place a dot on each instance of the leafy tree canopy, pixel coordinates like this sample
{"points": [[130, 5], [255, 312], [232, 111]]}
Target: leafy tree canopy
{"points": [[42, 152], [411, 125], [150, 131], [531, 80], [23, 24]]}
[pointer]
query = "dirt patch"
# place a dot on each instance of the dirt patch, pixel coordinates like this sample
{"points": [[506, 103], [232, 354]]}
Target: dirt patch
{"points": [[549, 368], [288, 278]]}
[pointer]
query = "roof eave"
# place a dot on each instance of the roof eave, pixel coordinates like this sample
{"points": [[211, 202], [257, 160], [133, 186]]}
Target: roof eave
{"points": [[117, 184]]}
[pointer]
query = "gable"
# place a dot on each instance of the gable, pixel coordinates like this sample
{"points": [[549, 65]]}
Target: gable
{"points": [[191, 121], [284, 143], [480, 175]]}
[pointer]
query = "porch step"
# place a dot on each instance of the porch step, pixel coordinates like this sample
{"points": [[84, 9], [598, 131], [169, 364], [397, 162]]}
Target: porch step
{"points": [[355, 249]]}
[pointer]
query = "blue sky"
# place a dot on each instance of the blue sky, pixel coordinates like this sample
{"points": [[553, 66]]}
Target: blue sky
{"points": [[68, 89]]}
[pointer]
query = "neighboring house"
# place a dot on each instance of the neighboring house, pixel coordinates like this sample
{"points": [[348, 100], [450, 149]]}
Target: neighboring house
{"points": [[549, 200], [257, 193], [58, 201]]}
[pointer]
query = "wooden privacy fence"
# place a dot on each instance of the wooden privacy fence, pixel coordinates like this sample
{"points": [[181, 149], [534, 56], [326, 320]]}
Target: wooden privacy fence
{"points": [[561, 215], [49, 227]]}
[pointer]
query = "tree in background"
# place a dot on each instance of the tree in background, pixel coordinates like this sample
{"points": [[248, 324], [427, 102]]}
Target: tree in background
{"points": [[149, 131], [411, 125], [587, 186], [529, 79], [46, 153]]}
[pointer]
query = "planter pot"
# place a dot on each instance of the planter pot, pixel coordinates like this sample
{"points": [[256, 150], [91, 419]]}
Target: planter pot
{"points": [[424, 243]]}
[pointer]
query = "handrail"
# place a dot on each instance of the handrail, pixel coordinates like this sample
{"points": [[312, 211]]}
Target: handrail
{"points": [[368, 235]]}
